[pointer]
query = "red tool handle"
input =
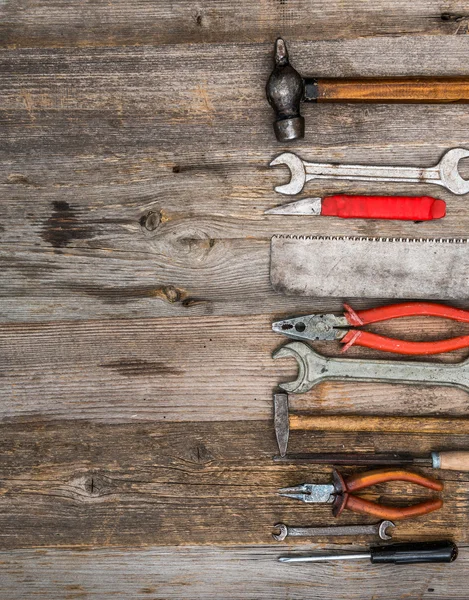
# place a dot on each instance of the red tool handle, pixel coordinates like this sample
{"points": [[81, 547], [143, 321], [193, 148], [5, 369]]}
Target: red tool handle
{"points": [[360, 481], [383, 511], [404, 208], [404, 309], [386, 344]]}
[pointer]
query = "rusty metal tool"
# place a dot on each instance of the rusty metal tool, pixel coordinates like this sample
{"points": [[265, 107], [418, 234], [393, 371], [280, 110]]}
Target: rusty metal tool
{"points": [[445, 173], [404, 553], [341, 494], [314, 368], [357, 267], [402, 208], [286, 89], [378, 529], [338, 327], [455, 460]]}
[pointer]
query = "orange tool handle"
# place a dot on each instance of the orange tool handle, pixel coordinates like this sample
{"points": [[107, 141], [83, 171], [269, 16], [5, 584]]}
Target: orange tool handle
{"points": [[383, 511], [360, 481], [403, 208], [404, 309], [386, 344]]}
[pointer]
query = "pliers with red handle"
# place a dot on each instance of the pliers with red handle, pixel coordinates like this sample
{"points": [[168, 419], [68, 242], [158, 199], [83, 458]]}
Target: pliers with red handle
{"points": [[333, 327], [340, 493]]}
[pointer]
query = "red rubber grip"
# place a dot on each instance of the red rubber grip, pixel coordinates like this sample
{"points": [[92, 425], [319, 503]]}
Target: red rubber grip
{"points": [[404, 208], [368, 339], [405, 309]]}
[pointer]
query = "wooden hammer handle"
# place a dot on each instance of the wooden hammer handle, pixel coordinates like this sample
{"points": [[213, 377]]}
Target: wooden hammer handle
{"points": [[394, 90], [385, 424]]}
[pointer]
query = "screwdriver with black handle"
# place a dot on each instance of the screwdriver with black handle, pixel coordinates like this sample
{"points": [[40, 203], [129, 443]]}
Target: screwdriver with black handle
{"points": [[404, 553]]}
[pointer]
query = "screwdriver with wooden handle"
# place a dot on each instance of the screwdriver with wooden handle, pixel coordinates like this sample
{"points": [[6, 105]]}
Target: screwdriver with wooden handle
{"points": [[451, 460], [404, 553]]}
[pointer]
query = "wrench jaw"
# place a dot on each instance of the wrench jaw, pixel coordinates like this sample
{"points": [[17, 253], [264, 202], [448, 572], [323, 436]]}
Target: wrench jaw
{"points": [[297, 173], [282, 534], [383, 526], [310, 365], [449, 174]]}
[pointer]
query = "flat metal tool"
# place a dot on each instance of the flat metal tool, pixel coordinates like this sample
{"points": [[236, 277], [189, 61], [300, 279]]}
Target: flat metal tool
{"points": [[356, 267], [341, 494], [313, 368], [378, 529], [402, 208], [445, 173], [341, 327]]}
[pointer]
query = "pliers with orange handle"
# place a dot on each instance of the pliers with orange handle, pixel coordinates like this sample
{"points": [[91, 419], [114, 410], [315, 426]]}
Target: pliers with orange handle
{"points": [[333, 327], [340, 493]]}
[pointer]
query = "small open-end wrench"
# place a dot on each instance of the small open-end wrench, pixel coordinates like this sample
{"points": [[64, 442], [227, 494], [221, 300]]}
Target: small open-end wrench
{"points": [[445, 173], [378, 529], [314, 368]]}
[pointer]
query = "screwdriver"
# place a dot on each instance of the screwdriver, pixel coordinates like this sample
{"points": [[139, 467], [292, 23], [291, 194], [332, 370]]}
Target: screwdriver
{"points": [[453, 460], [404, 553]]}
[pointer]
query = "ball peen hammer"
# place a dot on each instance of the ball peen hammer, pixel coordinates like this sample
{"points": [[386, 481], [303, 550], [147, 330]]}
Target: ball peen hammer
{"points": [[286, 89], [456, 460]]}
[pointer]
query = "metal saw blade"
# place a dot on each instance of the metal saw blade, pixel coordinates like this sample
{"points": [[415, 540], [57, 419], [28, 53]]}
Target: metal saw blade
{"points": [[370, 267]]}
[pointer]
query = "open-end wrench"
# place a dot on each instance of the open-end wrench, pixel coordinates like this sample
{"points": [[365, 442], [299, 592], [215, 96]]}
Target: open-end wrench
{"points": [[314, 368], [445, 173], [378, 529]]}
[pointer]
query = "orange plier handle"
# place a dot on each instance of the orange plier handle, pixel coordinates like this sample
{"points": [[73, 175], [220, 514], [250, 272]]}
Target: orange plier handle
{"points": [[345, 498], [396, 311]]}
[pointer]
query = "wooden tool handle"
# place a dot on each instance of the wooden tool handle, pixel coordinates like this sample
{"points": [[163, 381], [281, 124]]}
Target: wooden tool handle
{"points": [[385, 424], [394, 90], [454, 461]]}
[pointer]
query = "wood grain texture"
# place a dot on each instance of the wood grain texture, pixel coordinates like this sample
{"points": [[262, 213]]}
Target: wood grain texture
{"points": [[28, 23], [90, 158], [134, 251], [217, 572], [197, 368], [69, 484]]}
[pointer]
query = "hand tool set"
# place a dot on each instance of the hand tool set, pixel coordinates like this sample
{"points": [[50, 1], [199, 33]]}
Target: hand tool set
{"points": [[330, 266]]}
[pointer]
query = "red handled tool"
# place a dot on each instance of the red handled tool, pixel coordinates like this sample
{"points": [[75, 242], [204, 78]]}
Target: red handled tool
{"points": [[341, 494], [333, 327], [403, 208]]}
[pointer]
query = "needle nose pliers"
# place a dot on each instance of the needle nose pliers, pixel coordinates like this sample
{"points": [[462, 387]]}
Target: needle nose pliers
{"points": [[334, 327], [340, 493]]}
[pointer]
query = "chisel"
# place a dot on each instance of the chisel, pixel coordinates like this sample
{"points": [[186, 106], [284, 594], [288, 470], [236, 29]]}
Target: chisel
{"points": [[456, 460], [405, 553], [402, 208]]}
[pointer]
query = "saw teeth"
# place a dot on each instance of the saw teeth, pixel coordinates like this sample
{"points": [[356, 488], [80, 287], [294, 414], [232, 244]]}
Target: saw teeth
{"points": [[373, 239]]}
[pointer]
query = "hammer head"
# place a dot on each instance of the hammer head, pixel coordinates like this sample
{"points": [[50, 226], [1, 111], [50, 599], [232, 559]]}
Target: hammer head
{"points": [[285, 90], [281, 422]]}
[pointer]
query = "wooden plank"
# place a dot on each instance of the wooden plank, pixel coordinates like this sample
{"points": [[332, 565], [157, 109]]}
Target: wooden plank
{"points": [[214, 573], [28, 23], [90, 156], [200, 368], [69, 484]]}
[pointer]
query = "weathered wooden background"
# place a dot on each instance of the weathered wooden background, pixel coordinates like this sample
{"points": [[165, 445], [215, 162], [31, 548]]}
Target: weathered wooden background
{"points": [[135, 372]]}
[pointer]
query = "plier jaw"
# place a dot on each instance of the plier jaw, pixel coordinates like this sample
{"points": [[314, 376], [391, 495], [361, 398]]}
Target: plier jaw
{"points": [[310, 493], [325, 327]]}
